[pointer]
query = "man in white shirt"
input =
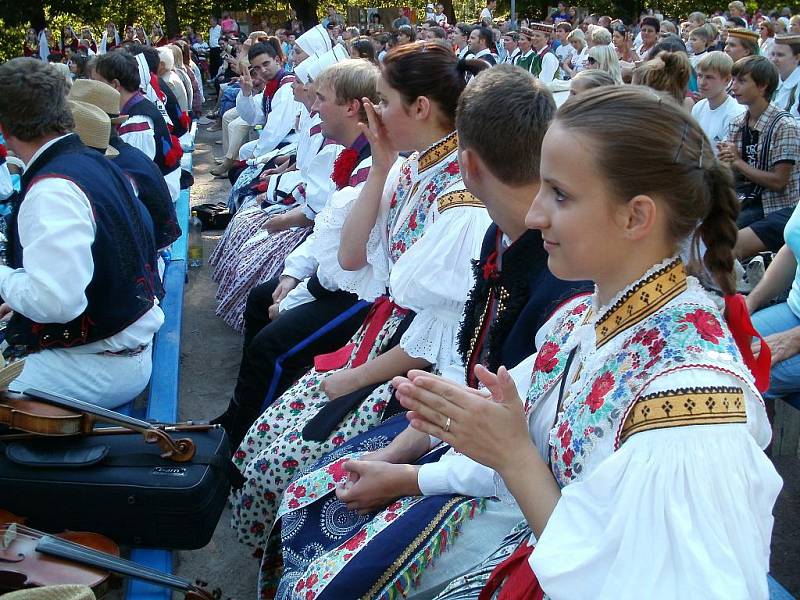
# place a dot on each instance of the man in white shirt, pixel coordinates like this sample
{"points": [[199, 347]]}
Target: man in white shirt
{"points": [[785, 55], [717, 109], [510, 43], [481, 41], [460, 39], [215, 52], [81, 288], [487, 13]]}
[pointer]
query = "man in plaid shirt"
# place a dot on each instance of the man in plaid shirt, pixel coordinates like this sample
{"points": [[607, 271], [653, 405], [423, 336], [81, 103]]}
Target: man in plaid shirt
{"points": [[762, 149]]}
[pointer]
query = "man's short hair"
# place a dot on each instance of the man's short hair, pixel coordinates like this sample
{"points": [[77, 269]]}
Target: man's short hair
{"points": [[652, 22], [506, 103], [33, 100], [119, 65], [736, 4], [512, 34], [761, 71], [485, 34], [464, 29], [716, 62], [564, 26], [438, 32], [351, 80]]}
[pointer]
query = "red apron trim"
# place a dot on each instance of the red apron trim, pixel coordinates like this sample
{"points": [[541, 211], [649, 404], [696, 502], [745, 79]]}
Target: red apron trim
{"points": [[516, 577], [133, 128], [381, 311], [738, 320]]}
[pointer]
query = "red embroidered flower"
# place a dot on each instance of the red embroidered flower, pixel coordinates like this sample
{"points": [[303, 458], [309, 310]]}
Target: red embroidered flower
{"points": [[390, 517], [343, 167], [337, 470], [297, 405], [293, 503], [354, 542], [257, 528], [290, 463], [310, 595], [650, 336], [601, 386], [338, 440], [412, 222], [393, 506], [568, 456], [300, 491], [300, 585], [566, 438], [657, 346], [239, 455], [452, 168], [312, 579], [393, 201], [546, 357], [379, 406], [706, 324], [263, 427]]}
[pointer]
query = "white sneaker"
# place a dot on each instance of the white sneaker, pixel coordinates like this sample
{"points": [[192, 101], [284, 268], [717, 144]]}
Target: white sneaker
{"points": [[755, 271]]}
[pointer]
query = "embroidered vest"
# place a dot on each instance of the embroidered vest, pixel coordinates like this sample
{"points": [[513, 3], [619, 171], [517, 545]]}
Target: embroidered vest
{"points": [[438, 157], [272, 87], [658, 340], [125, 280], [168, 148], [536, 63]]}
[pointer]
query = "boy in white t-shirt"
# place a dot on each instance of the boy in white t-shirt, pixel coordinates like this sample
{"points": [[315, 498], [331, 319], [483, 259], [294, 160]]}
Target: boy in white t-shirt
{"points": [[699, 41], [717, 109]]}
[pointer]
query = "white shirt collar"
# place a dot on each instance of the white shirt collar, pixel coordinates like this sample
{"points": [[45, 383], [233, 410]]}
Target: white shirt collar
{"points": [[44, 147], [483, 52]]}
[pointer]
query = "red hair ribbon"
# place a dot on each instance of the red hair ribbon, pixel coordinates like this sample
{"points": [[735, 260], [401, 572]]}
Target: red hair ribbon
{"points": [[738, 319]]}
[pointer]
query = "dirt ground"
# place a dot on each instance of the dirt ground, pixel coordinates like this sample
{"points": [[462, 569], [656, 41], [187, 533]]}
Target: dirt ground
{"points": [[210, 354]]}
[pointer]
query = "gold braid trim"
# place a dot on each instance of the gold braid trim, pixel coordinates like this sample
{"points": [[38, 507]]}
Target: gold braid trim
{"points": [[642, 301], [438, 152], [413, 547], [690, 406], [454, 199]]}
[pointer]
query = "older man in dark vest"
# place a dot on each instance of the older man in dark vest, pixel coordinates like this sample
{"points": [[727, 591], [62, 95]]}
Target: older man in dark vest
{"points": [[80, 288]]}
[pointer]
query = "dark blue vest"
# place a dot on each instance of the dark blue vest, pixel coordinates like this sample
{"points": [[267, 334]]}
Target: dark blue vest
{"points": [[153, 190], [168, 148], [125, 279]]}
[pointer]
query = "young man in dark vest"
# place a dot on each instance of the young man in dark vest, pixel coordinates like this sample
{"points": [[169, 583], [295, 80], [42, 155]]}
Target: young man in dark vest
{"points": [[80, 289], [481, 42], [145, 127]]}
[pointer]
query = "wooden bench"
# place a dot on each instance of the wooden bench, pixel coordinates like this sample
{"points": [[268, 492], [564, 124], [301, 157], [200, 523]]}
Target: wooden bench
{"points": [[164, 393]]}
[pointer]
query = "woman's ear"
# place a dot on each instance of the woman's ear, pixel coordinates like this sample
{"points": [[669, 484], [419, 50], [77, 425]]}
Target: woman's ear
{"points": [[422, 107], [639, 215]]}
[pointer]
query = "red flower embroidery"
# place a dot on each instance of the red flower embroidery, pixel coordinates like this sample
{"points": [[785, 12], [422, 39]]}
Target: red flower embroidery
{"points": [[379, 406], [338, 440], [297, 405], [263, 427], [354, 542], [290, 463], [706, 324], [343, 167], [300, 491], [393, 506], [310, 595], [393, 201], [300, 585], [412, 222], [568, 456], [601, 386], [657, 347], [312, 579], [390, 517], [293, 503], [546, 358], [239, 455], [650, 336], [566, 438], [337, 470], [452, 168]]}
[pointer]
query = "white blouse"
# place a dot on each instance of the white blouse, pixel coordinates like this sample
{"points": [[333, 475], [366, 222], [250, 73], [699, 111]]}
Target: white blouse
{"points": [[682, 512]]}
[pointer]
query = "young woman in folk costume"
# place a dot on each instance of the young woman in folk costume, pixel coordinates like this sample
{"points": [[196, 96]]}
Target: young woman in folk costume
{"points": [[414, 223], [275, 162], [513, 296], [30, 46], [275, 221], [633, 439], [110, 39]]}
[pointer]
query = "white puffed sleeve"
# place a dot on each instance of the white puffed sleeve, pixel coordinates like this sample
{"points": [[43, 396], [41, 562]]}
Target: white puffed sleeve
{"points": [[683, 512], [370, 281], [433, 278], [317, 179], [249, 108]]}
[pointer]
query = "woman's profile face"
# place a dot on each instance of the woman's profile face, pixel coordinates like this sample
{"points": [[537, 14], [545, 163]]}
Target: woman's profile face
{"points": [[395, 116], [617, 38], [578, 217]]}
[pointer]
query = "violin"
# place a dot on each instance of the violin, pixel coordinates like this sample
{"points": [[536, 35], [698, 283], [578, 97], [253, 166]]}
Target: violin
{"points": [[45, 413], [31, 558]]}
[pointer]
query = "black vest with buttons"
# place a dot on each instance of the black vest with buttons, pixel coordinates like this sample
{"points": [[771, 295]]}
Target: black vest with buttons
{"points": [[125, 279]]}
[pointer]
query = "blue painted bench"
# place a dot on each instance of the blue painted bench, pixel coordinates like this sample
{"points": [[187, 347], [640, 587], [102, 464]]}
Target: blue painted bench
{"points": [[162, 399]]}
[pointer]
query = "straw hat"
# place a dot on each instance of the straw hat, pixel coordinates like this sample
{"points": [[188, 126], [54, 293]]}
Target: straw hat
{"points": [[93, 126], [541, 27], [52, 592], [742, 33], [790, 39], [99, 94]]}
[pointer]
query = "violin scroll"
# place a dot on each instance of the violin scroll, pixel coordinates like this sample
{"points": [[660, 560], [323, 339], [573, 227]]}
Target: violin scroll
{"points": [[180, 450]]}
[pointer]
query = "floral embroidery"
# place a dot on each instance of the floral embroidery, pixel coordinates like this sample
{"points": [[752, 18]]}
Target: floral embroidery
{"points": [[600, 387], [546, 357], [706, 324]]}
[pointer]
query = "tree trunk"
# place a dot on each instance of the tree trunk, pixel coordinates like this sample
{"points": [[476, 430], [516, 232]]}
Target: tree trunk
{"points": [[306, 11], [36, 11], [171, 23]]}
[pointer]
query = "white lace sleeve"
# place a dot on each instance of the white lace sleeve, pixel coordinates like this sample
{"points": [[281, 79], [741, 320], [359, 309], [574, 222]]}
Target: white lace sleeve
{"points": [[433, 278]]}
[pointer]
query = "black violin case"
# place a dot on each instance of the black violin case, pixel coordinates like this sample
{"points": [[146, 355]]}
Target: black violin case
{"points": [[119, 485]]}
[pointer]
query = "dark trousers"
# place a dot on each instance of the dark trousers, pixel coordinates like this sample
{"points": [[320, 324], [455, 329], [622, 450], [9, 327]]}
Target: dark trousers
{"points": [[276, 353], [214, 61]]}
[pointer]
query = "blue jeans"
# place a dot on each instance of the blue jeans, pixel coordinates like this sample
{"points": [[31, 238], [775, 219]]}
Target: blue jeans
{"points": [[228, 100], [785, 375]]}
